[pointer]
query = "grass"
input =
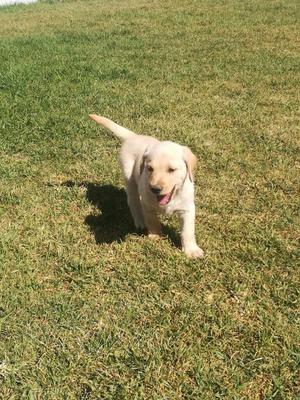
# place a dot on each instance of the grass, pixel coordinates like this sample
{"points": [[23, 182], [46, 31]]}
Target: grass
{"points": [[91, 310]]}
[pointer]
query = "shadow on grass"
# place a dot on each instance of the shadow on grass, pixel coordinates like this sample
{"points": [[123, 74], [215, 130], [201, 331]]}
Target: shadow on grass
{"points": [[114, 220]]}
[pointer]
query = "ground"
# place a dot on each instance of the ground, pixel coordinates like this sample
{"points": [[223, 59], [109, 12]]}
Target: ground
{"points": [[89, 309]]}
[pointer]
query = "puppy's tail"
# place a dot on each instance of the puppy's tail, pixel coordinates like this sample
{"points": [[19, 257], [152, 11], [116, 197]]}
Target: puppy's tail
{"points": [[117, 130]]}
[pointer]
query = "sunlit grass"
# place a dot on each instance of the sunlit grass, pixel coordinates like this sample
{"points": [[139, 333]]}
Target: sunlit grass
{"points": [[90, 309]]}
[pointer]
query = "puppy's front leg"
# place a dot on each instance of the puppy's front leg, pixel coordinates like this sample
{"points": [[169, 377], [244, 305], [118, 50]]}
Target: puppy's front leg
{"points": [[152, 223], [134, 204], [188, 241]]}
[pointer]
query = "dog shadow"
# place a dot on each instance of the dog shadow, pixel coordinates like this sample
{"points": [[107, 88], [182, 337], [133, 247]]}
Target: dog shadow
{"points": [[111, 220]]}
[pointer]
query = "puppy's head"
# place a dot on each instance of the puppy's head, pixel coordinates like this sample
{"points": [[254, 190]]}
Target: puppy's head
{"points": [[167, 165]]}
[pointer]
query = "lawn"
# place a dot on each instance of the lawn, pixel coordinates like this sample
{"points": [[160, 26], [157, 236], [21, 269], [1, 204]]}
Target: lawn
{"points": [[90, 309]]}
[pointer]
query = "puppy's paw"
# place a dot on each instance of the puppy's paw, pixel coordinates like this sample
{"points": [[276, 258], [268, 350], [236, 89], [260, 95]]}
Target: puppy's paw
{"points": [[154, 236], [194, 252]]}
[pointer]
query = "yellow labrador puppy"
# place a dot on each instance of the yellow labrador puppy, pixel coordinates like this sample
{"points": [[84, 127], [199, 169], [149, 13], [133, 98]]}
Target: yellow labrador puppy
{"points": [[159, 179]]}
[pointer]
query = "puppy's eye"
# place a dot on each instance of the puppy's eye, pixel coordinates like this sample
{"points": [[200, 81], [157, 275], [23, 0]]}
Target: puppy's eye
{"points": [[171, 170], [150, 169]]}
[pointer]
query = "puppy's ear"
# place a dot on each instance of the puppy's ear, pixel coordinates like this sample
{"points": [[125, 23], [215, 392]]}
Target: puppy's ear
{"points": [[190, 161], [142, 166]]}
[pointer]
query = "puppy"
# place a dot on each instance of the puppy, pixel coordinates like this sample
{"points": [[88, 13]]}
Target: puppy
{"points": [[159, 179]]}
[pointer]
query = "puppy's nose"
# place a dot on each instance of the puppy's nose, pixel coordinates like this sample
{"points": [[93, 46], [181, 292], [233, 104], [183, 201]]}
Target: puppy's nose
{"points": [[155, 189]]}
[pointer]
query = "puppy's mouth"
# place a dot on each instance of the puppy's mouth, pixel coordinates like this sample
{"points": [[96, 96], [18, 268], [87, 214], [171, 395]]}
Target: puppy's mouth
{"points": [[164, 199]]}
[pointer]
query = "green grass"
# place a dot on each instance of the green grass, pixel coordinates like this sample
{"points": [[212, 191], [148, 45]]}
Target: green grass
{"points": [[88, 308]]}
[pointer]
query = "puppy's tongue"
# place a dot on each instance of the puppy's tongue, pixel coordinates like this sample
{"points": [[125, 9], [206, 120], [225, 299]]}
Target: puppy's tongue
{"points": [[164, 199]]}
